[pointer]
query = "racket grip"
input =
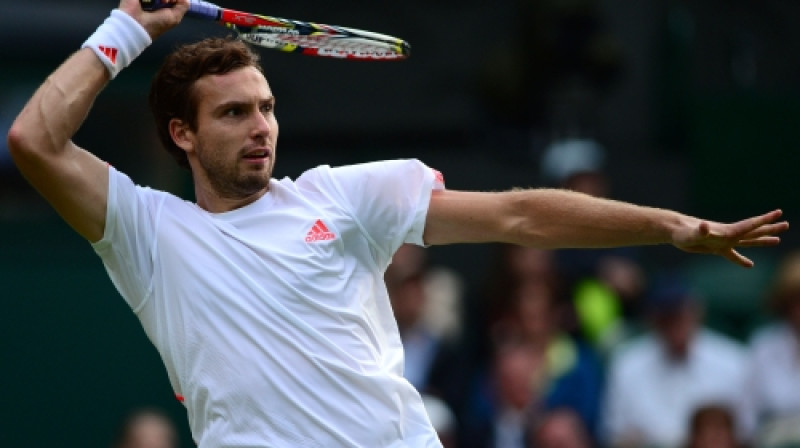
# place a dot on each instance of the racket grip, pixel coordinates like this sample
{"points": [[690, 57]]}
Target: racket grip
{"points": [[199, 9]]}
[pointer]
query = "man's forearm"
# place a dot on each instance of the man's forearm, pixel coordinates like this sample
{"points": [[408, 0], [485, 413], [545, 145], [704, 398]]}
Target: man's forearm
{"points": [[549, 219], [559, 218], [58, 108]]}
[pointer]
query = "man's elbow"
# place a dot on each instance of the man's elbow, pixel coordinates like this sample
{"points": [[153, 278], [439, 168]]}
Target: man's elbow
{"points": [[21, 141], [16, 140], [523, 225]]}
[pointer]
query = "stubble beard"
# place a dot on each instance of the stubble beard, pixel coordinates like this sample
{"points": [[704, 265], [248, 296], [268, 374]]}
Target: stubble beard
{"points": [[227, 177]]}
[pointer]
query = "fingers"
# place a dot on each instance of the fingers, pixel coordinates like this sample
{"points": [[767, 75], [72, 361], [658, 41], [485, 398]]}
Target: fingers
{"points": [[737, 258], [764, 241], [746, 226], [722, 239], [766, 230]]}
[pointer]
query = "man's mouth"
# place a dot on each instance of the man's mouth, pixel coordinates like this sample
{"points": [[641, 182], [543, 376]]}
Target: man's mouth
{"points": [[257, 154]]}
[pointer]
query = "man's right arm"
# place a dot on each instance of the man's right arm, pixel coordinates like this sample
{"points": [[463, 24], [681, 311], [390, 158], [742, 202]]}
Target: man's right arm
{"points": [[74, 181]]}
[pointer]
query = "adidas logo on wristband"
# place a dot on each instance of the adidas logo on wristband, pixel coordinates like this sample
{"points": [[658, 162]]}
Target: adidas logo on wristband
{"points": [[118, 41], [109, 52]]}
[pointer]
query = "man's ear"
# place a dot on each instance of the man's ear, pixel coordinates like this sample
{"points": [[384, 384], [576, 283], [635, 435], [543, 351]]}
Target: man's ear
{"points": [[181, 134]]}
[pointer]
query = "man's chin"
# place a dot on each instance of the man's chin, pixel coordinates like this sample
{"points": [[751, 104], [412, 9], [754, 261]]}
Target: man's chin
{"points": [[255, 182]]}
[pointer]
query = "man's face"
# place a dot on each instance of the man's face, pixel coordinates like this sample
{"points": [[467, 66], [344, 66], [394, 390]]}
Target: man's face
{"points": [[232, 151]]}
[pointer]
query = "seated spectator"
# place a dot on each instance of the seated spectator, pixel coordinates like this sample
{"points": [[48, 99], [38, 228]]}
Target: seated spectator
{"points": [[538, 367], [657, 380], [511, 269], [567, 373], [775, 353], [504, 404], [560, 428], [147, 428], [713, 426]]}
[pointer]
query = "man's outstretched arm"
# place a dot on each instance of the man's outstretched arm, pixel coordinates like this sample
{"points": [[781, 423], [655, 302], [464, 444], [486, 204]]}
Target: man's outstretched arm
{"points": [[74, 181], [552, 219]]}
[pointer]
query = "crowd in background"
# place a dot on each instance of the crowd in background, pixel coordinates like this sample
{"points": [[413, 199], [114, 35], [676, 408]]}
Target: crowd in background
{"points": [[638, 368], [587, 348], [635, 368]]}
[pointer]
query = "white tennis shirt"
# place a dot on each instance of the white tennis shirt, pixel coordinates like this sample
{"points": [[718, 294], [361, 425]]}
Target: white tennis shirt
{"points": [[273, 320]]}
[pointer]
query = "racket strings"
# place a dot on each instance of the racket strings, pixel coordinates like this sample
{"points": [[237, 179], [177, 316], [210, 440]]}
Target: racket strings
{"points": [[327, 44]]}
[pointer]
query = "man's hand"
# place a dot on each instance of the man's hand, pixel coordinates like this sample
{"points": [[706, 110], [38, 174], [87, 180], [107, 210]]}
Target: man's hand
{"points": [[156, 22], [709, 237]]}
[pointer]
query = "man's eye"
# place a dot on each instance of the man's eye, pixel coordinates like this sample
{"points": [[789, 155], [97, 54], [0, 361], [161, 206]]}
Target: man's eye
{"points": [[267, 108], [233, 112]]}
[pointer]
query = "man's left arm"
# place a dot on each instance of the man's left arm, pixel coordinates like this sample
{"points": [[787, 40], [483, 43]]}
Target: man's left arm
{"points": [[550, 219]]}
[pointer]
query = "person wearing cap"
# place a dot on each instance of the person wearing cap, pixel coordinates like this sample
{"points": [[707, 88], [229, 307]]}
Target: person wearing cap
{"points": [[656, 381]]}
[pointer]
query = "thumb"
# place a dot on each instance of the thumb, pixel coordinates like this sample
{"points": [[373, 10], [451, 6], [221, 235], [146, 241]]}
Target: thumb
{"points": [[704, 229]]}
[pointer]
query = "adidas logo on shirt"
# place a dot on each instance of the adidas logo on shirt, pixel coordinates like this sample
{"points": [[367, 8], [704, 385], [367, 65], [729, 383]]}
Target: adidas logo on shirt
{"points": [[319, 232]]}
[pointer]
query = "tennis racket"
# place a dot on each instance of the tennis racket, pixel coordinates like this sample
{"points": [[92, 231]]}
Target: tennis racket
{"points": [[296, 36]]}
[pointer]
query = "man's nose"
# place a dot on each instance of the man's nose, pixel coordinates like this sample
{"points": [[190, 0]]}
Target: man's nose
{"points": [[263, 124]]}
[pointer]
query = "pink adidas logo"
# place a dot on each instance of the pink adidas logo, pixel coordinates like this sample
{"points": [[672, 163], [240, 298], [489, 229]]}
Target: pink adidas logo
{"points": [[319, 232]]}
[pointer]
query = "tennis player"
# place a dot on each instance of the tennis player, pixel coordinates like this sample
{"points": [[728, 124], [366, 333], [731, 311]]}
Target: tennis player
{"points": [[265, 297]]}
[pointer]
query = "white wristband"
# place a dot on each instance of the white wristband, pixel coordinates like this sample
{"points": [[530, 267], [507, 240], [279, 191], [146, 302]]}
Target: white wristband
{"points": [[118, 41]]}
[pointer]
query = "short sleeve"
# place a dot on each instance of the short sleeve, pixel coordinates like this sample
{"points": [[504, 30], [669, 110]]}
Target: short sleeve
{"points": [[126, 246], [388, 199]]}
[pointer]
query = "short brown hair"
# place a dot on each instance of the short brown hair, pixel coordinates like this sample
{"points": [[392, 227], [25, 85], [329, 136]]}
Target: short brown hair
{"points": [[172, 90]]}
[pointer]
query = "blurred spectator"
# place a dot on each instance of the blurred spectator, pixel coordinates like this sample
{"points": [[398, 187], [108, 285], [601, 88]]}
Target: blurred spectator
{"points": [[567, 373], [504, 406], [775, 355], [657, 380], [576, 164], [516, 266], [712, 426], [426, 305], [560, 428], [538, 367], [147, 428], [512, 267]]}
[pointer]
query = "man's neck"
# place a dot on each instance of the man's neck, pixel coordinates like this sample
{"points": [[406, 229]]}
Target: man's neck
{"points": [[213, 202]]}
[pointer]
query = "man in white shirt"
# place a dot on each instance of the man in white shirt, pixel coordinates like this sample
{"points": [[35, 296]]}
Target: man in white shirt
{"points": [[265, 298], [657, 381]]}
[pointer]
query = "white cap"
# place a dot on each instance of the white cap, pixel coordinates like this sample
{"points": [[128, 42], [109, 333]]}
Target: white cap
{"points": [[565, 158]]}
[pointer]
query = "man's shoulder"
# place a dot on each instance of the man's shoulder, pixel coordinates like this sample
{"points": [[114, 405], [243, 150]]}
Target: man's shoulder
{"points": [[128, 192], [363, 167], [358, 176]]}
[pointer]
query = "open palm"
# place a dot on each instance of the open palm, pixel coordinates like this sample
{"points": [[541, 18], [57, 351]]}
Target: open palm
{"points": [[722, 239]]}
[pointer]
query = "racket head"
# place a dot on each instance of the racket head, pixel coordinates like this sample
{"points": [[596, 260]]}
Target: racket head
{"points": [[324, 41]]}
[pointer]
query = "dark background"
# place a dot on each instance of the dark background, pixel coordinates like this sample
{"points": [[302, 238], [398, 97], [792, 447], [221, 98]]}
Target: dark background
{"points": [[697, 104]]}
